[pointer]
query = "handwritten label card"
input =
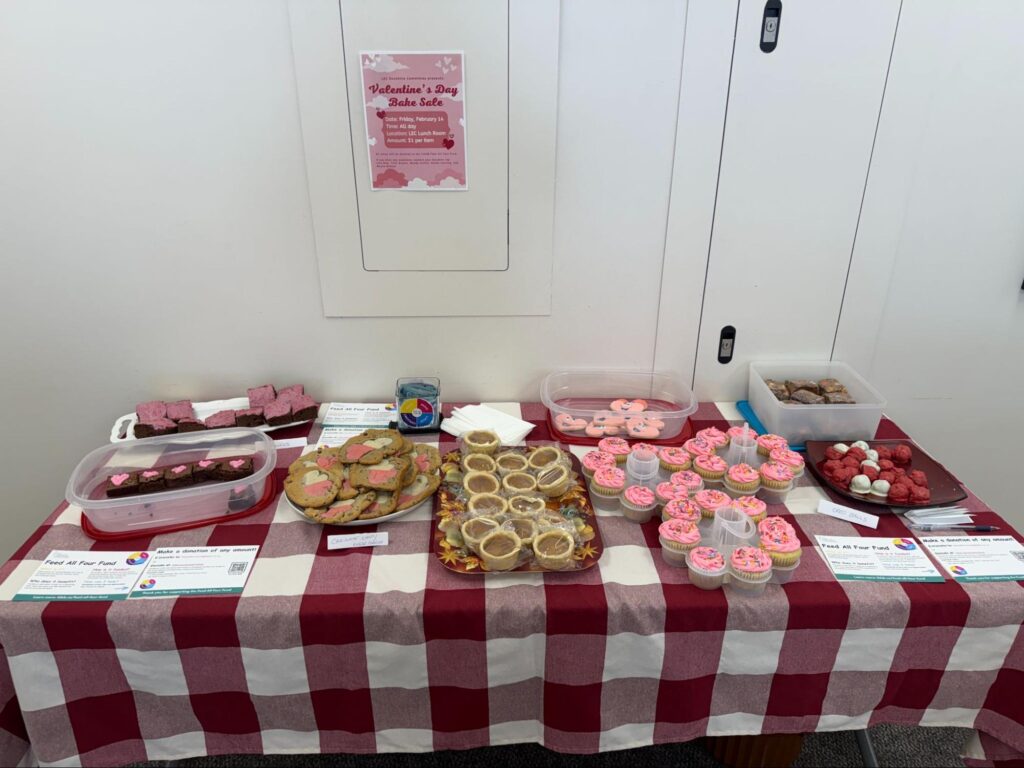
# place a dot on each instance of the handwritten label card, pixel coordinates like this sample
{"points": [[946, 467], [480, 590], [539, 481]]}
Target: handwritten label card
{"points": [[353, 540]]}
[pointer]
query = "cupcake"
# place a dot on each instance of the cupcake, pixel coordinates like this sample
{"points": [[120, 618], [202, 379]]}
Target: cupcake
{"points": [[553, 549], [481, 441], [697, 446], [769, 524], [674, 459], [711, 468], [638, 503], [782, 546], [594, 460], [768, 443], [616, 446], [510, 461], [711, 501], [715, 436], [752, 506], [608, 482], [666, 492], [644, 447], [791, 459], [775, 476], [734, 432], [681, 509], [677, 537], [742, 478], [750, 567], [691, 480], [707, 567]]}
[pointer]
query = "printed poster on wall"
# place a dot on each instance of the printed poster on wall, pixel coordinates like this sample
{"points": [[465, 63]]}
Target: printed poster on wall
{"points": [[415, 106]]}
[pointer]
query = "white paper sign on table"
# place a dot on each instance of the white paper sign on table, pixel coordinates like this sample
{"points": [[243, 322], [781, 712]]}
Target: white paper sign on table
{"points": [[353, 540], [876, 558], [76, 575], [344, 420], [290, 442], [850, 515], [978, 558], [176, 571]]}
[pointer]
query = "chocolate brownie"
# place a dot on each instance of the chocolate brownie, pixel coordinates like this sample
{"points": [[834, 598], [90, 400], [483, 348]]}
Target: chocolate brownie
{"points": [[290, 393], [221, 419], [795, 385], [155, 427], [831, 385], [807, 397], [249, 417], [205, 469], [777, 388], [261, 395], [178, 476], [180, 409], [278, 412], [233, 469], [190, 425], [839, 398], [122, 484], [304, 408], [154, 409], [151, 480]]}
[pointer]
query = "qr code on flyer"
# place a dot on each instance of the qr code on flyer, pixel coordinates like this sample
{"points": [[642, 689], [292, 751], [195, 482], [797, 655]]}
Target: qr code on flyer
{"points": [[237, 569], [1018, 553]]}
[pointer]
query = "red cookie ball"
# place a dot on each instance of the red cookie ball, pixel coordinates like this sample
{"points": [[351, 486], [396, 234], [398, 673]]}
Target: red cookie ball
{"points": [[832, 454], [851, 461], [901, 454], [898, 494], [884, 464], [888, 475], [905, 481], [871, 472], [831, 466], [857, 453], [919, 478], [883, 452], [920, 495]]}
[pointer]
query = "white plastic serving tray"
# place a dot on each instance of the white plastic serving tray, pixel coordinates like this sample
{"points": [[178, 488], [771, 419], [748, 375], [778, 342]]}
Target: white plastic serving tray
{"points": [[124, 427]]}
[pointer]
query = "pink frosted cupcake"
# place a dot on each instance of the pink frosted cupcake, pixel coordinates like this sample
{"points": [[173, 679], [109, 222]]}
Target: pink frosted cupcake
{"points": [[697, 446], [608, 482], [775, 476], [712, 467], [775, 523], [735, 432], [754, 508], [707, 567], [742, 478], [782, 546], [681, 509], [674, 459], [715, 436], [768, 443], [645, 447], [638, 503], [677, 538], [690, 480], [791, 459], [750, 568], [616, 446], [594, 460], [666, 492], [710, 501]]}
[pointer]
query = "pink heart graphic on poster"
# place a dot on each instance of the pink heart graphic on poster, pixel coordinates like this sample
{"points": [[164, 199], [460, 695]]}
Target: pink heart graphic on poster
{"points": [[448, 143], [381, 113]]}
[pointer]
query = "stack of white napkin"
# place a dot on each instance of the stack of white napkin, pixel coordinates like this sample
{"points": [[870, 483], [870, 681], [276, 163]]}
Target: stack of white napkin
{"points": [[509, 429]]}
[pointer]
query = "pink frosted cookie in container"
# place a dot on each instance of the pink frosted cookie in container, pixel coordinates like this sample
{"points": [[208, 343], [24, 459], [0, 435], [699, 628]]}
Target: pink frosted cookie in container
{"points": [[616, 446], [681, 509], [710, 501], [715, 436], [750, 568], [690, 480], [667, 491], [677, 537], [637, 503], [742, 480], [674, 459], [752, 506], [707, 567], [595, 460], [606, 487], [791, 459], [712, 468]]}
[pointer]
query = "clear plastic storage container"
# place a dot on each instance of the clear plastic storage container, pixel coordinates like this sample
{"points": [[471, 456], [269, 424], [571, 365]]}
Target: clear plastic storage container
{"points": [[799, 423], [179, 506], [582, 394]]}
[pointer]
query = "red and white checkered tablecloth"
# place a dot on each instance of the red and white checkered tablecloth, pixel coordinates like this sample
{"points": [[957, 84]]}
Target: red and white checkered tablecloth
{"points": [[386, 650]]}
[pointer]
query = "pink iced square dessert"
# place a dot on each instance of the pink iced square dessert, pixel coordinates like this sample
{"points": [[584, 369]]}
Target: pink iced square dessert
{"points": [[261, 395], [180, 409], [154, 409], [221, 419]]}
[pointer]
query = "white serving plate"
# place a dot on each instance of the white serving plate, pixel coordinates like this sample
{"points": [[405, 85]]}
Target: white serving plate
{"points": [[126, 423], [359, 523]]}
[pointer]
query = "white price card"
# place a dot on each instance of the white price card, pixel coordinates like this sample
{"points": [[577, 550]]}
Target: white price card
{"points": [[353, 540], [290, 442], [75, 575], [174, 571], [876, 558], [850, 515], [978, 558]]}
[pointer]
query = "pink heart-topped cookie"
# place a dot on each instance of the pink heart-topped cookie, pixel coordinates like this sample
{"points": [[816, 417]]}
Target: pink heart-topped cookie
{"points": [[601, 430], [237, 463], [629, 406], [642, 430], [609, 419], [649, 420], [120, 478], [566, 423]]}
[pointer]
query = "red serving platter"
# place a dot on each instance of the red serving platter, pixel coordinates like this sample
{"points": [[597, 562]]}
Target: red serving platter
{"points": [[945, 488]]}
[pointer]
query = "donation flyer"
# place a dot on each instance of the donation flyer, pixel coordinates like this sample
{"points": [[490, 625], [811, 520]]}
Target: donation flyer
{"points": [[415, 107], [176, 571], [343, 420], [75, 575], [978, 558], [863, 558]]}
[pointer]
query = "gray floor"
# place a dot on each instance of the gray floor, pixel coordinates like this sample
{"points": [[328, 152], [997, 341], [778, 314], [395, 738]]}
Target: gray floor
{"points": [[894, 746]]}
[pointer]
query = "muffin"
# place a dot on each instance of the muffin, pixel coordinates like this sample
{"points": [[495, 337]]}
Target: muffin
{"points": [[553, 549], [638, 503], [608, 482], [674, 459], [791, 459], [750, 567], [707, 567], [711, 467], [681, 509], [510, 461], [690, 480], [752, 506], [478, 462], [775, 476], [710, 501], [742, 478], [500, 550], [594, 460], [677, 537], [715, 436], [616, 446], [481, 441], [768, 443], [666, 492]]}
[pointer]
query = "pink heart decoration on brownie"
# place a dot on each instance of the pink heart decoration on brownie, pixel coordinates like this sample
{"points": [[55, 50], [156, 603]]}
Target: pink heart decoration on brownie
{"points": [[150, 473], [237, 463], [179, 469], [120, 478], [206, 462]]}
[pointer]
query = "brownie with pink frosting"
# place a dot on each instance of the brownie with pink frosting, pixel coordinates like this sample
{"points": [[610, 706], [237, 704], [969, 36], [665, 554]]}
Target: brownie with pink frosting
{"points": [[261, 395], [180, 409], [155, 427], [122, 484], [249, 417], [221, 419], [191, 425], [278, 412], [179, 475], [304, 408], [154, 409], [290, 393], [233, 469]]}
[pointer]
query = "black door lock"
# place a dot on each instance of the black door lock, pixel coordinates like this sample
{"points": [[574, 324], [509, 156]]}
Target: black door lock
{"points": [[770, 25], [726, 344]]}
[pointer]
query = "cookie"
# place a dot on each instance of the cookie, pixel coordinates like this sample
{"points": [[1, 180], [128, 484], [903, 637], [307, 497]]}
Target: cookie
{"points": [[325, 459], [407, 446], [384, 504], [423, 486], [311, 488], [347, 490], [371, 446], [342, 511], [410, 473], [426, 458], [385, 475]]}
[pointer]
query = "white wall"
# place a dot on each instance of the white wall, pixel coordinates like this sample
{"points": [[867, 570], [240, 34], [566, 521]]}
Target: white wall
{"points": [[156, 237]]}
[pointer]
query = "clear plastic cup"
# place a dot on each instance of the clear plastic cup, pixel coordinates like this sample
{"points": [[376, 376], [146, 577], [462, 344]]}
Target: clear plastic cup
{"points": [[773, 495], [782, 575], [642, 468], [605, 503], [747, 586], [731, 528], [742, 450]]}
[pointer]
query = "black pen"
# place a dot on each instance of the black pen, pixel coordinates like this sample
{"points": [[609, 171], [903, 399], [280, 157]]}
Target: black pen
{"points": [[941, 527]]}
